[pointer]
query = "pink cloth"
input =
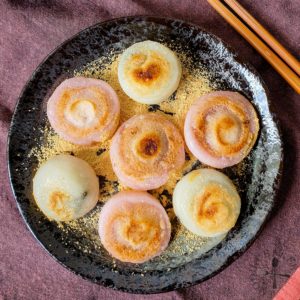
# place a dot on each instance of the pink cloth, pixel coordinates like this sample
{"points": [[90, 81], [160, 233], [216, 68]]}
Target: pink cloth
{"points": [[30, 29], [291, 290]]}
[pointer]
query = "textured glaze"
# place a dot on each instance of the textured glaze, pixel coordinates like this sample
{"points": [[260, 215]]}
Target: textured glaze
{"points": [[257, 186]]}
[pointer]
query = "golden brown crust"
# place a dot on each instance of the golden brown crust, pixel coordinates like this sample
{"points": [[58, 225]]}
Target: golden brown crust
{"points": [[232, 117], [147, 74], [148, 69], [136, 234], [150, 146], [94, 97], [214, 209], [57, 203]]}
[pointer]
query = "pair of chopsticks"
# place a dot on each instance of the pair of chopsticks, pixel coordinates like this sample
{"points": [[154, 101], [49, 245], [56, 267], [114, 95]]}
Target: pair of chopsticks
{"points": [[278, 56]]}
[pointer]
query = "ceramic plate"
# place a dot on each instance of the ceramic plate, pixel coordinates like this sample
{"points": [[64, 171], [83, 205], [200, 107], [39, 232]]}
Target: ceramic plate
{"points": [[257, 182]]}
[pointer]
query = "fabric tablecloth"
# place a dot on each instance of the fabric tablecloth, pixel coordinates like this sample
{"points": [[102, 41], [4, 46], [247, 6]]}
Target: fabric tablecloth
{"points": [[29, 30]]}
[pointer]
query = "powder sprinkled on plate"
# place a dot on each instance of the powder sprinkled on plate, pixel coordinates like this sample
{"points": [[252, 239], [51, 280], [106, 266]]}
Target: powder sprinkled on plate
{"points": [[194, 83]]}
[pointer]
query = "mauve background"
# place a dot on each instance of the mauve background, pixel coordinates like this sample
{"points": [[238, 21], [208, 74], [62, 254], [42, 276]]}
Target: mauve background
{"points": [[29, 30]]}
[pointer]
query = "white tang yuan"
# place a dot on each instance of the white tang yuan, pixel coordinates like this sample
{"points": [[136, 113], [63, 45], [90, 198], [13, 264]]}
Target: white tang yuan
{"points": [[206, 202], [149, 72], [65, 188]]}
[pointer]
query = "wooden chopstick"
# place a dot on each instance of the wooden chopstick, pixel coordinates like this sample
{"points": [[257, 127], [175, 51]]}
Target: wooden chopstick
{"points": [[265, 35], [278, 64]]}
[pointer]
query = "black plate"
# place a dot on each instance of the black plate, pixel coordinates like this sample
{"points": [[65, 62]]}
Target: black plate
{"points": [[257, 185]]}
